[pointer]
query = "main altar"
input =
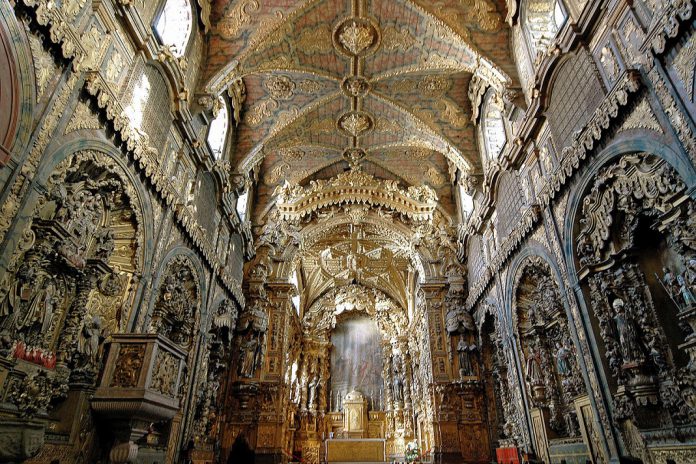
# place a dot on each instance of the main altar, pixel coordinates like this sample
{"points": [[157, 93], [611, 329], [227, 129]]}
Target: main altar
{"points": [[358, 442]]}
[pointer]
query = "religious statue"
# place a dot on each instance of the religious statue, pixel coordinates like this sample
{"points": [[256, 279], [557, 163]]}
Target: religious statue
{"points": [[397, 379], [669, 282], [563, 356], [312, 392], [90, 340], [41, 306], [690, 275], [105, 244], [628, 336], [685, 292], [247, 364], [463, 349], [533, 371]]}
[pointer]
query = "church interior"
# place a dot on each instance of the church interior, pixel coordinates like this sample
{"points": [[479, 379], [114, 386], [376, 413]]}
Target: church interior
{"points": [[347, 231]]}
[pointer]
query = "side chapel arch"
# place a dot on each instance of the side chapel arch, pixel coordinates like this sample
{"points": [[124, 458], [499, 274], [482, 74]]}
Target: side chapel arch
{"points": [[76, 269], [551, 377], [639, 303]]}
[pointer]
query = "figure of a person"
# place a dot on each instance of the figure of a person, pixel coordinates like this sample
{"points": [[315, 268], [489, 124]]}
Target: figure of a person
{"points": [[88, 343], [465, 367], [685, 292], [312, 387], [628, 337], [41, 307], [670, 282], [533, 370], [562, 359], [248, 357]]}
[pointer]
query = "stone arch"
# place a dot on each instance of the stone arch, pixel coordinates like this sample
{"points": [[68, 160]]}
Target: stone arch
{"points": [[183, 272], [549, 371], [492, 133], [567, 111], [541, 21]]}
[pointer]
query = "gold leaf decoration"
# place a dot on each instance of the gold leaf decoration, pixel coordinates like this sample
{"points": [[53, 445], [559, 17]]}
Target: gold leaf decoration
{"points": [[398, 39], [387, 125], [44, 66], [319, 126], [355, 123], [258, 113], [452, 113], [280, 87], [231, 25], [82, 118], [642, 118], [315, 40], [309, 86], [356, 36], [684, 65]]}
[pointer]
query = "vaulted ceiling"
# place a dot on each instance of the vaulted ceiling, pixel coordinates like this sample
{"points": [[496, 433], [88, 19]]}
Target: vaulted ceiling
{"points": [[379, 83]]}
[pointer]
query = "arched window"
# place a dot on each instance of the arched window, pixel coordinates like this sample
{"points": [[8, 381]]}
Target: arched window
{"points": [[295, 298], [542, 21], [242, 204], [466, 203], [174, 25], [492, 127], [218, 129]]}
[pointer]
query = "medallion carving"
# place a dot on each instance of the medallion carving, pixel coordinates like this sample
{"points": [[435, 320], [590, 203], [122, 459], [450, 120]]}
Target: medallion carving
{"points": [[356, 123], [357, 36]]}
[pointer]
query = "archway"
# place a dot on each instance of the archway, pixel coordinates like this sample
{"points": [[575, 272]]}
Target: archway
{"points": [[634, 245]]}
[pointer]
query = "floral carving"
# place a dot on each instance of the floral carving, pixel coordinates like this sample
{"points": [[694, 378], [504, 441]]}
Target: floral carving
{"points": [[356, 123], [356, 36]]}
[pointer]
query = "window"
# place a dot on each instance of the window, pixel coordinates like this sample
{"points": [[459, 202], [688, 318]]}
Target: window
{"points": [[493, 127], [242, 204], [218, 129], [296, 297], [466, 203], [174, 25], [542, 21]]}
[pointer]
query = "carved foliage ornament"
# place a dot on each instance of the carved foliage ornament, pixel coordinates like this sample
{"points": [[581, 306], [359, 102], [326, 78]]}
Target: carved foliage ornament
{"points": [[637, 184], [176, 309], [356, 37], [355, 187]]}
